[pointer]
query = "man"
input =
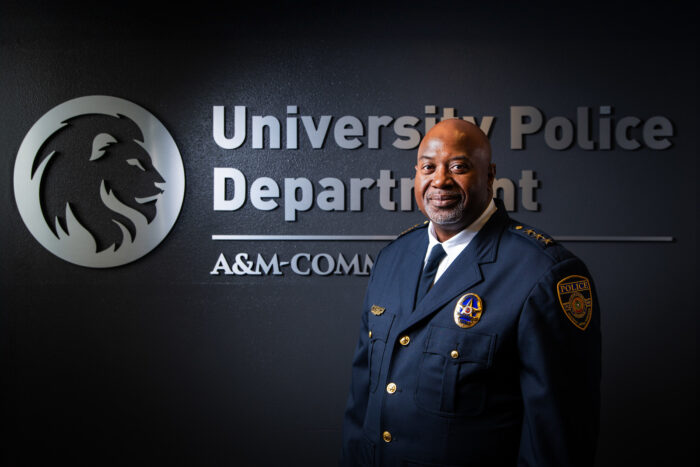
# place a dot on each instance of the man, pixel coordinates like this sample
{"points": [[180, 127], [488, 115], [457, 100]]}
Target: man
{"points": [[480, 340]]}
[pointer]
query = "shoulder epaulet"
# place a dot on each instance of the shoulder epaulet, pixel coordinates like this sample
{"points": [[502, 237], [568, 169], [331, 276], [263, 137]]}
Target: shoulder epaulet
{"points": [[417, 226], [525, 231]]}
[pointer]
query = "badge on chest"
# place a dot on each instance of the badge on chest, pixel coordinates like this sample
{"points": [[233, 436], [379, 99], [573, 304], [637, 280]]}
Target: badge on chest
{"points": [[468, 310]]}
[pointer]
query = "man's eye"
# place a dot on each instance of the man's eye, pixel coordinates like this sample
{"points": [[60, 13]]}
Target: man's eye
{"points": [[459, 168], [427, 167]]}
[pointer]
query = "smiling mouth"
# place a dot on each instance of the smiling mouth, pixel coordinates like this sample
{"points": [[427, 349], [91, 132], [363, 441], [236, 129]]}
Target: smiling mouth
{"points": [[442, 200]]}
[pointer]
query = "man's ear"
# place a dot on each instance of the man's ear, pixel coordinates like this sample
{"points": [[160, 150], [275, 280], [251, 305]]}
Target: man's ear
{"points": [[491, 177]]}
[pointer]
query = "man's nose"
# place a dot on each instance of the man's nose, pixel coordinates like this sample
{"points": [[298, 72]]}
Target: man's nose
{"points": [[441, 177]]}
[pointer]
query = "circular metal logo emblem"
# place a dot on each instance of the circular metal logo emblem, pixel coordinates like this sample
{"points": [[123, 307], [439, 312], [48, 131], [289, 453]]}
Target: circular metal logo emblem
{"points": [[99, 181]]}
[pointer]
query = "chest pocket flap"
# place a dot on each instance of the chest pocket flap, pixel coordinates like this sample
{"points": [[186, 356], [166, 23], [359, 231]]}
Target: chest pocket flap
{"points": [[380, 325], [470, 346]]}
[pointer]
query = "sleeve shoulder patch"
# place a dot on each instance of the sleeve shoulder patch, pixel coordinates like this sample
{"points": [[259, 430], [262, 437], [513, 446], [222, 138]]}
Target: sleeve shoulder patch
{"points": [[576, 300]]}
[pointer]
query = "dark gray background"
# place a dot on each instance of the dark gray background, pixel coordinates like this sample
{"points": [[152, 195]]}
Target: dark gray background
{"points": [[159, 362]]}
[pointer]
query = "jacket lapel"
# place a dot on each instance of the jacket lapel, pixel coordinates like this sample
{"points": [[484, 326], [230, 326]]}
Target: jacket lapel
{"points": [[409, 268], [463, 273]]}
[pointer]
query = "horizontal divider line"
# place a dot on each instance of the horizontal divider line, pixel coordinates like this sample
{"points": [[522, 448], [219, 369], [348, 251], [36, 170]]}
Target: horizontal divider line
{"points": [[612, 238], [381, 238], [306, 237]]}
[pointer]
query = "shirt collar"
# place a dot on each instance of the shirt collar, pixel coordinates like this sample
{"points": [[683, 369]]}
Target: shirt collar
{"points": [[454, 246]]}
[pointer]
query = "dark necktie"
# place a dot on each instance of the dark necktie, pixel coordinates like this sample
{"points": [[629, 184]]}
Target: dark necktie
{"points": [[429, 271]]}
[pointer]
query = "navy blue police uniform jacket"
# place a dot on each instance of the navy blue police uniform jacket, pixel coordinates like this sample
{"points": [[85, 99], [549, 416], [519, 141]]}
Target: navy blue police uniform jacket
{"points": [[520, 387]]}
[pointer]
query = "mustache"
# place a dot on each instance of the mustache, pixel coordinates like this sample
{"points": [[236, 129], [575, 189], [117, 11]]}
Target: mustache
{"points": [[442, 194]]}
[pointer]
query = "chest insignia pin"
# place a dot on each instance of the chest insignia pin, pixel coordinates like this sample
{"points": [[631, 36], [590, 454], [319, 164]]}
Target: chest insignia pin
{"points": [[468, 310]]}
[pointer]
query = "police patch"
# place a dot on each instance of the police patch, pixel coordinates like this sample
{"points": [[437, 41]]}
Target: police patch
{"points": [[576, 300], [468, 310]]}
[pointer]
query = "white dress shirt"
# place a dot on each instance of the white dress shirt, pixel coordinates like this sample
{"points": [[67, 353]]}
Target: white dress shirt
{"points": [[455, 245]]}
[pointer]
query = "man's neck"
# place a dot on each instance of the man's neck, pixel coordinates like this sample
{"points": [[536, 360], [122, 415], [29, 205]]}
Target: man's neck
{"points": [[445, 232]]}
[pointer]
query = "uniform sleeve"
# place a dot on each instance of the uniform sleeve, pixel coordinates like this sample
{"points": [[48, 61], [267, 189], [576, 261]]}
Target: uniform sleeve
{"points": [[357, 450], [560, 366]]}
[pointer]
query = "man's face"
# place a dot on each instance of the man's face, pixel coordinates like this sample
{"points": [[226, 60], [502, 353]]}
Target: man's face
{"points": [[454, 177]]}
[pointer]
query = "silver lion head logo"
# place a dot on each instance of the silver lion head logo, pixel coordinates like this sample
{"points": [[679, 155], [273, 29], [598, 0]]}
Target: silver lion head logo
{"points": [[99, 181]]}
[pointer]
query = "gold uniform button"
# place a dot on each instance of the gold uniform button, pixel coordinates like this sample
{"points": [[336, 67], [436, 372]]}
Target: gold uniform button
{"points": [[404, 340], [518, 227], [386, 436], [391, 388], [370, 334], [454, 354]]}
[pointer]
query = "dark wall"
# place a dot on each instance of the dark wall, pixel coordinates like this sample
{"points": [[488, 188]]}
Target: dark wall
{"points": [[159, 361]]}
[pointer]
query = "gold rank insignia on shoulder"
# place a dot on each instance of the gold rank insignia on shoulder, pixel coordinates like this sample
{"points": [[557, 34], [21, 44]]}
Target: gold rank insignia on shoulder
{"points": [[544, 239], [576, 300], [468, 310], [413, 228], [377, 310]]}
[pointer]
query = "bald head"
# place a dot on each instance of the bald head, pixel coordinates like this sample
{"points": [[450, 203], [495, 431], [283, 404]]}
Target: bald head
{"points": [[460, 133], [454, 176]]}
